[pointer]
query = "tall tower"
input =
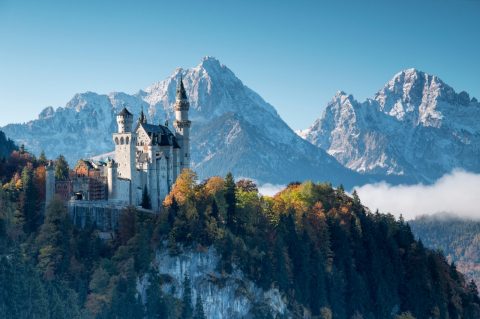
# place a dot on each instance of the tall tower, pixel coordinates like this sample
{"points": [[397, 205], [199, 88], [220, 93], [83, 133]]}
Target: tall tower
{"points": [[125, 140], [182, 125]]}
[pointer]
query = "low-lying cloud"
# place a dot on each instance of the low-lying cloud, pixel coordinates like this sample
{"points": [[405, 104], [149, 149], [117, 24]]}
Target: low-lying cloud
{"points": [[457, 193], [270, 189]]}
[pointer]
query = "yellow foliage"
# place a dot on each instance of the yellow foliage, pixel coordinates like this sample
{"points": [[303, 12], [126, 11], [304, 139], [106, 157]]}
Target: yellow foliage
{"points": [[18, 184], [183, 188], [214, 185]]}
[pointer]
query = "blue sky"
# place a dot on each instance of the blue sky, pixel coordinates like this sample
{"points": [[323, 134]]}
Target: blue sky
{"points": [[296, 54]]}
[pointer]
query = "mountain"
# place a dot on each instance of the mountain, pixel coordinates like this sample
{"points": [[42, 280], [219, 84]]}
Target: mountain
{"points": [[457, 238], [233, 128], [416, 127]]}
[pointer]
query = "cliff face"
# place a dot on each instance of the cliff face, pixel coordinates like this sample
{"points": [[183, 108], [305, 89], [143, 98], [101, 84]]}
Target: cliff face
{"points": [[224, 296]]}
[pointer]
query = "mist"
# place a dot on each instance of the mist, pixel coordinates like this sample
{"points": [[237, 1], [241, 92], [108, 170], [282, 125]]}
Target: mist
{"points": [[457, 193]]}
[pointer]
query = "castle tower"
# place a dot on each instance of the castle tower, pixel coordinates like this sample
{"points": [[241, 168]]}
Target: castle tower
{"points": [[111, 179], [125, 140], [49, 183], [182, 125]]}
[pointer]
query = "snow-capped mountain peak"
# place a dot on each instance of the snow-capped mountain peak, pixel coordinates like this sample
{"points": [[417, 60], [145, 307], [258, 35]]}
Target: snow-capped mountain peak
{"points": [[233, 128], [416, 126]]}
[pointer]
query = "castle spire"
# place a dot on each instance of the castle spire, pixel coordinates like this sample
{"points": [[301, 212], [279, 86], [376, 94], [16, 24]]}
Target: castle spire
{"points": [[142, 119], [181, 94]]}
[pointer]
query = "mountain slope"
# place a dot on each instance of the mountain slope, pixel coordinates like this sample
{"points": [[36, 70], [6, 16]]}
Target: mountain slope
{"points": [[233, 128], [458, 239], [6, 146], [416, 126]]}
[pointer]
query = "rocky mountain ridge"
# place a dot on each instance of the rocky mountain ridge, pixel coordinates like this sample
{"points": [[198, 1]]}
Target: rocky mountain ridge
{"points": [[233, 128], [416, 126]]}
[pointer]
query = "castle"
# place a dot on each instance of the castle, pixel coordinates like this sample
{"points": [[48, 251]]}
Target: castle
{"points": [[148, 159]]}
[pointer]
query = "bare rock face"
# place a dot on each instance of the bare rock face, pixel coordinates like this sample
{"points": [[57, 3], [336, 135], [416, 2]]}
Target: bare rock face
{"points": [[233, 128], [416, 126], [223, 296]]}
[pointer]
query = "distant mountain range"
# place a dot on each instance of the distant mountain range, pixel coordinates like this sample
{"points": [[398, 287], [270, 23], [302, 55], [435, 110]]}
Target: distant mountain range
{"points": [[415, 129], [233, 129], [416, 126]]}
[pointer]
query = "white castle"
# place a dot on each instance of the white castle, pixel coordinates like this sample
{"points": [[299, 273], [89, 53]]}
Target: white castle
{"points": [[148, 158]]}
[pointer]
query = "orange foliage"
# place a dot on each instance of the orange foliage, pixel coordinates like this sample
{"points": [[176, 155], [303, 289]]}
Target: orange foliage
{"points": [[183, 189]]}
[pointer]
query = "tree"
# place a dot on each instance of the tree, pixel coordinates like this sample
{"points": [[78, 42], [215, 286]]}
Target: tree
{"points": [[187, 310], [230, 199], [42, 159], [28, 201], [146, 202], [61, 168], [247, 185], [199, 313], [53, 241]]}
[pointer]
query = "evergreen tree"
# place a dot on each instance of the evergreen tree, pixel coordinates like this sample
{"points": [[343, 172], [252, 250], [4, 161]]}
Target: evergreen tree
{"points": [[230, 200], [28, 201], [199, 313], [42, 159], [187, 310], [53, 241], [146, 202], [61, 169]]}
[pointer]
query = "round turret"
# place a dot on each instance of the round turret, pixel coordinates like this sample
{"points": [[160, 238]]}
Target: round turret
{"points": [[124, 121]]}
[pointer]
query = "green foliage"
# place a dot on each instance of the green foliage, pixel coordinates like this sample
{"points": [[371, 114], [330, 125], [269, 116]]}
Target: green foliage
{"points": [[199, 313], [146, 202], [327, 254], [187, 308], [61, 168], [230, 200], [458, 239], [7, 146]]}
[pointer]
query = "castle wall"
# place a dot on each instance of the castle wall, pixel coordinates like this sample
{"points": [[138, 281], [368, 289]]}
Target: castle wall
{"points": [[103, 215]]}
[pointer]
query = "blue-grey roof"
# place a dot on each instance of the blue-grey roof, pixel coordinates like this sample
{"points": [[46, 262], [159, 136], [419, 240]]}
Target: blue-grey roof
{"points": [[162, 134]]}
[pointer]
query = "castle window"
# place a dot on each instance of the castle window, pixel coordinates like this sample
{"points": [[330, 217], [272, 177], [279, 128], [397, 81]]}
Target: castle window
{"points": [[128, 139], [121, 140], [116, 140]]}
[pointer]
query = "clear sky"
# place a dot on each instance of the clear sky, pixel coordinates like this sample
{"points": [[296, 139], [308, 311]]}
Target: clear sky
{"points": [[295, 54]]}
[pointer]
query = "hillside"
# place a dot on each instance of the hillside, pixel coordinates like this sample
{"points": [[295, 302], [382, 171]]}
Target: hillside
{"points": [[6, 146], [459, 239], [220, 250], [233, 129], [416, 127]]}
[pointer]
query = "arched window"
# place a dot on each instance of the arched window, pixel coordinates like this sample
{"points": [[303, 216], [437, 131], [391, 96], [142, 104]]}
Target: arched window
{"points": [[128, 140], [121, 140], [116, 140]]}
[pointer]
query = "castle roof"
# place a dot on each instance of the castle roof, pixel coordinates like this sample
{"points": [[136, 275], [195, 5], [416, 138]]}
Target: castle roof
{"points": [[160, 135], [125, 112], [181, 93]]}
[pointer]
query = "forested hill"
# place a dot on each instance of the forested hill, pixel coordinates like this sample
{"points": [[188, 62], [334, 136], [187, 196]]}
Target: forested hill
{"points": [[6, 146], [321, 250], [458, 238]]}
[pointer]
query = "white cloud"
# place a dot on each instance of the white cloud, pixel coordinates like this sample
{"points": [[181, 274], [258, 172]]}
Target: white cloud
{"points": [[270, 189], [457, 193]]}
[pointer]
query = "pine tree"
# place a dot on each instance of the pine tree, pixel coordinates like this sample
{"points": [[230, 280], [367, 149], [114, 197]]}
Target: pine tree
{"points": [[187, 310], [61, 169], [28, 201], [199, 313], [42, 159], [146, 202], [230, 199]]}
